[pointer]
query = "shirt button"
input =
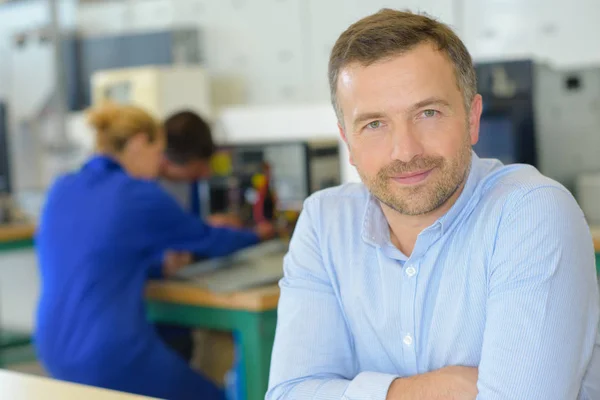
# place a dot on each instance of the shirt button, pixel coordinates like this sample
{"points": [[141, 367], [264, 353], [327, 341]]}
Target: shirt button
{"points": [[411, 271], [407, 340]]}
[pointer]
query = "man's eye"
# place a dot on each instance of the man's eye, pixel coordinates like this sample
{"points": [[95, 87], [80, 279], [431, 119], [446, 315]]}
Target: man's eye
{"points": [[429, 113], [374, 124]]}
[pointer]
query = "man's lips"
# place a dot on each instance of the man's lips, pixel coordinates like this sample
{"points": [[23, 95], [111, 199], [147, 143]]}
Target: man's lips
{"points": [[412, 177]]}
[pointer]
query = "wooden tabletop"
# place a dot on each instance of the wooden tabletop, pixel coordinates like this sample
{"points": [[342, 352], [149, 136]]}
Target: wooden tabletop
{"points": [[259, 299], [10, 233], [596, 236], [17, 386]]}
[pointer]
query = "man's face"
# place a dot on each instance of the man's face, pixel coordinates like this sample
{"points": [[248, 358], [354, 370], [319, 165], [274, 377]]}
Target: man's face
{"points": [[407, 129], [191, 171]]}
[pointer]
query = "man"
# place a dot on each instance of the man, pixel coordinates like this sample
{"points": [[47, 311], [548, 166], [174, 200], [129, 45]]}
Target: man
{"points": [[442, 276], [189, 148], [187, 157], [186, 162]]}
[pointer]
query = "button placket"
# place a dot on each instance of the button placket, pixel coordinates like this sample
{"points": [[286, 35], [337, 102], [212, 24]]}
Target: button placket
{"points": [[409, 287]]}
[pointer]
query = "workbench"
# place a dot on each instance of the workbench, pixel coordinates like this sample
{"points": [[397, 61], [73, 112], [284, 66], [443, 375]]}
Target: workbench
{"points": [[596, 237], [15, 347], [16, 236], [17, 386], [252, 314]]}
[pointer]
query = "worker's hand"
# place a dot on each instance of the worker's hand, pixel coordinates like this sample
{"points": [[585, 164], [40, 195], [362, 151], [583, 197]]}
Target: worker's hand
{"points": [[173, 261], [224, 220], [265, 230]]}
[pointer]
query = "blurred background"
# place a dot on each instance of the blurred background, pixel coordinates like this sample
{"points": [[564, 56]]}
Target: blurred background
{"points": [[257, 70]]}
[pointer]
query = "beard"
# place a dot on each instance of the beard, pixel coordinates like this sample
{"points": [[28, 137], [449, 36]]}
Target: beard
{"points": [[446, 177]]}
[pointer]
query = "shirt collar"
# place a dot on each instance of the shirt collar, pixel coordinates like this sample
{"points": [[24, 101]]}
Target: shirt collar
{"points": [[463, 201], [102, 162], [375, 229]]}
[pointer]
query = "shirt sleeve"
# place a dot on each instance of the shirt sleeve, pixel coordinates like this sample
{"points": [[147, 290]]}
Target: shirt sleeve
{"points": [[543, 306], [167, 226], [313, 354]]}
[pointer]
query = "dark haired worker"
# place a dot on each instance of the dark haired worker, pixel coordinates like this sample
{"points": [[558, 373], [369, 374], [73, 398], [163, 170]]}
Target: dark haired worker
{"points": [[186, 161]]}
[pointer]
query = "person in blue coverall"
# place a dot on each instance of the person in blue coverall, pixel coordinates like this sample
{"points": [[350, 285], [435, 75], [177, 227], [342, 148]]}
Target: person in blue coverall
{"points": [[104, 230]]}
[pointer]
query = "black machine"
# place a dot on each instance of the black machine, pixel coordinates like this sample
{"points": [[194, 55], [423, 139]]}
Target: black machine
{"points": [[536, 114], [508, 130], [5, 178], [255, 181]]}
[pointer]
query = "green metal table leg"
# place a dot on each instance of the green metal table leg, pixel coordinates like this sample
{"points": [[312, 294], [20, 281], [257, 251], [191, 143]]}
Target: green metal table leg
{"points": [[257, 344], [17, 355], [15, 347], [256, 330], [16, 245]]}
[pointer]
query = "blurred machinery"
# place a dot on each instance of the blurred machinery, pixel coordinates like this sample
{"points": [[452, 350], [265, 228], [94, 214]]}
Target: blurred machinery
{"points": [[108, 52], [538, 115], [160, 90], [271, 180], [570, 121], [5, 173], [299, 145], [509, 129], [10, 211], [587, 191], [43, 101], [578, 130], [254, 124]]}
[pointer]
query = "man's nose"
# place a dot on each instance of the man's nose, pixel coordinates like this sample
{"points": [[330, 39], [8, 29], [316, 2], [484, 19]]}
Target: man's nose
{"points": [[406, 144]]}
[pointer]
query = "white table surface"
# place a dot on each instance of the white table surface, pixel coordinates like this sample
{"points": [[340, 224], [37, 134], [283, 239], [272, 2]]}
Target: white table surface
{"points": [[18, 386]]}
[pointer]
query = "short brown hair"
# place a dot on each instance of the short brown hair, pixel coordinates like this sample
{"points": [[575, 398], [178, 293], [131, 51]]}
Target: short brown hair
{"points": [[189, 138], [115, 124], [388, 33]]}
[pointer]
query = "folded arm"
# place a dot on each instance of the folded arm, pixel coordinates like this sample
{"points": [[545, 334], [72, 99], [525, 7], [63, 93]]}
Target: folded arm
{"points": [[542, 311], [313, 355]]}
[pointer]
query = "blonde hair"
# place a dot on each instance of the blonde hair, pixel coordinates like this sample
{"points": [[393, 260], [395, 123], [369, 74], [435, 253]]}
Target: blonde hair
{"points": [[115, 124]]}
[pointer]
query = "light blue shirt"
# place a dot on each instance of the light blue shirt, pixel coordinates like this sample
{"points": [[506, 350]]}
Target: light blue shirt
{"points": [[505, 281]]}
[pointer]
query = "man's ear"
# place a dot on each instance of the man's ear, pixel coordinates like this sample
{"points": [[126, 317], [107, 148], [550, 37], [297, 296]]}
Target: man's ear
{"points": [[345, 139], [475, 118], [342, 133]]}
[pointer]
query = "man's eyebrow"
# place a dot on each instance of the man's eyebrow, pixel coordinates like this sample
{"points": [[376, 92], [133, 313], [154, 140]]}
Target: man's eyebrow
{"points": [[431, 101], [360, 118]]}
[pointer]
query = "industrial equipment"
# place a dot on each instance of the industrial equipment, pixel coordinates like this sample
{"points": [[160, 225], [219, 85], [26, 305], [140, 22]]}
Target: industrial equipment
{"points": [[539, 115], [295, 170], [160, 90], [5, 173]]}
